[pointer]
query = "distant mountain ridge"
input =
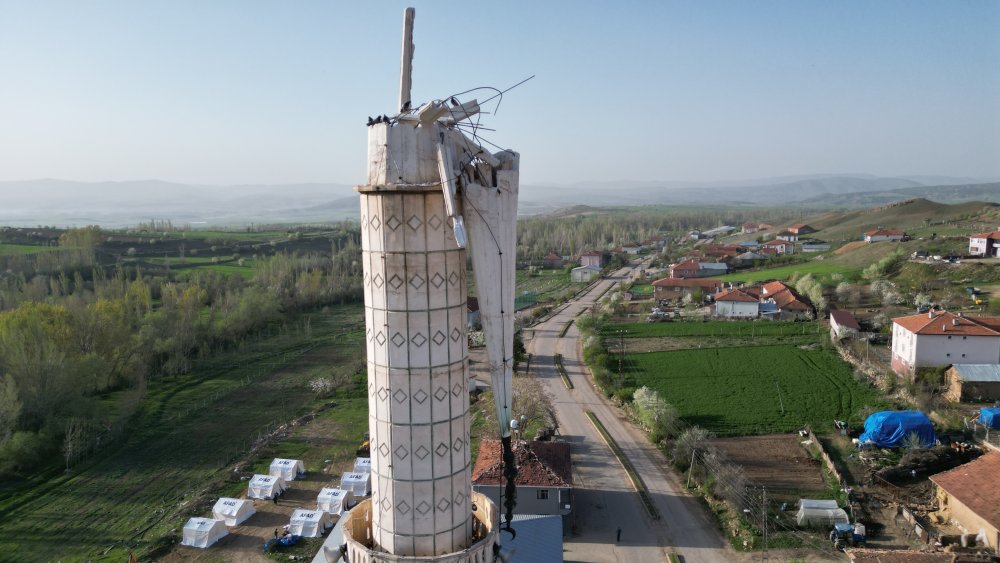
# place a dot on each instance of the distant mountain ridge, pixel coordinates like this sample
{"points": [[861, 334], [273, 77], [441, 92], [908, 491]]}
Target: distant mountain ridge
{"points": [[117, 204]]}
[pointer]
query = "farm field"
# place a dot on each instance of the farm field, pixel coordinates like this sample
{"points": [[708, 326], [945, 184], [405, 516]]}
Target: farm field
{"points": [[753, 390], [778, 462], [531, 289], [818, 268], [18, 249], [189, 429], [710, 328]]}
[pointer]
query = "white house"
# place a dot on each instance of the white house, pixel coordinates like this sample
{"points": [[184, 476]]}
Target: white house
{"points": [[780, 246], [787, 236], [736, 303], [592, 259], [884, 234], [584, 273], [843, 324], [941, 338], [985, 244]]}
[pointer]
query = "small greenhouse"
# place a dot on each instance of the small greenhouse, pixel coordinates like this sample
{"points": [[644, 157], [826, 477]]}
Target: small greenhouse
{"points": [[820, 514]]}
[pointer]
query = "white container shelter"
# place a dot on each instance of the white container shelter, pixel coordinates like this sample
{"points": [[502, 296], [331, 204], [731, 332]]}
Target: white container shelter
{"points": [[820, 513], [309, 523], [203, 532], [360, 484], [363, 465], [334, 502], [287, 469], [266, 486], [233, 511]]}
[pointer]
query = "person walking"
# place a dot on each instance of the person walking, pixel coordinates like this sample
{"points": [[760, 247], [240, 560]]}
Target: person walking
{"points": [[619, 537], [275, 498]]}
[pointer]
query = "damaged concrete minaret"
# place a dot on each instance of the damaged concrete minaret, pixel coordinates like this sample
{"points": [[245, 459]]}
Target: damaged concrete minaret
{"points": [[427, 183]]}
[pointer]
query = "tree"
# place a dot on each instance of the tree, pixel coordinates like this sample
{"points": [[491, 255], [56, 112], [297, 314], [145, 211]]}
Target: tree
{"points": [[694, 439], [10, 407], [654, 413]]}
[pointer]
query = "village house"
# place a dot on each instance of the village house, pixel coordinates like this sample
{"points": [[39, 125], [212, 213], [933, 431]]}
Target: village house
{"points": [[880, 235], [936, 339], [780, 246], [773, 300], [801, 229], [985, 244], [843, 325], [787, 303], [718, 231], [815, 247], [583, 274], [736, 304], [969, 497], [787, 236], [668, 289], [631, 248], [552, 261], [750, 228], [691, 268], [973, 382], [748, 258], [544, 476], [592, 259]]}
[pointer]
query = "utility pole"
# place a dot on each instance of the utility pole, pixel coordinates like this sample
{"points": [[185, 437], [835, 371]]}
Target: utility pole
{"points": [[763, 513], [691, 467]]}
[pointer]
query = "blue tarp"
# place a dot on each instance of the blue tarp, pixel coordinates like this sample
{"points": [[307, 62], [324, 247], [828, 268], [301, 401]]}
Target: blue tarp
{"points": [[990, 417], [888, 429]]}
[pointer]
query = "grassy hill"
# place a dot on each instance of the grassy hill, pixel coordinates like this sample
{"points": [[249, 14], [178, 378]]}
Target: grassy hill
{"points": [[943, 194], [918, 217]]}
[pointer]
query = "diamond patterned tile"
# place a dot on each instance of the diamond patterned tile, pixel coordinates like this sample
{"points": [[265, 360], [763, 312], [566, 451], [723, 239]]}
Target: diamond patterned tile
{"points": [[383, 393], [456, 335], [393, 223], [395, 281], [383, 449], [434, 222], [458, 444], [375, 222], [423, 508], [453, 279], [417, 281], [418, 339], [439, 338], [399, 395], [380, 338], [398, 339], [420, 396], [403, 507], [456, 389], [436, 280], [414, 222], [443, 504], [421, 452], [377, 281], [401, 452], [441, 394], [441, 450], [386, 505], [460, 498]]}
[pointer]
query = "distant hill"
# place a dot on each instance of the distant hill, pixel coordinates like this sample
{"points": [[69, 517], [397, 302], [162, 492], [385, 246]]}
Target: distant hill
{"points": [[989, 192], [833, 191], [918, 217]]}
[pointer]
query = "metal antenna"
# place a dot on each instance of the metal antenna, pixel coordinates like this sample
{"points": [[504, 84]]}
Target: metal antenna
{"points": [[406, 62]]}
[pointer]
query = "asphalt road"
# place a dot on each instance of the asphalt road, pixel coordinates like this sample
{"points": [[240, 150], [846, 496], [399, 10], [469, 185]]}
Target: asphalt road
{"points": [[605, 499]]}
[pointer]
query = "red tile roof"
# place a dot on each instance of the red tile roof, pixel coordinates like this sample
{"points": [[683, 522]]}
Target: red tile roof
{"points": [[799, 226], [992, 234], [736, 295], [949, 323], [539, 464], [784, 297], [552, 256], [688, 282], [845, 319], [591, 253], [777, 243], [976, 485]]}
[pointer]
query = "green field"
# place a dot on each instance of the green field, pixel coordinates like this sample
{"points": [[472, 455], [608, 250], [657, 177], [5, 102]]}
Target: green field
{"points": [[818, 268], [753, 390], [18, 249], [710, 328], [188, 431]]}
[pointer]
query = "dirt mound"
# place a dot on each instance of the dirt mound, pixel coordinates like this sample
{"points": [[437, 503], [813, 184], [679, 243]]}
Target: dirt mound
{"points": [[850, 246]]}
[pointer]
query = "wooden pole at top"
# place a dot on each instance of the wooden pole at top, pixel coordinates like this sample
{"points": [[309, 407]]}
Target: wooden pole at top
{"points": [[406, 64]]}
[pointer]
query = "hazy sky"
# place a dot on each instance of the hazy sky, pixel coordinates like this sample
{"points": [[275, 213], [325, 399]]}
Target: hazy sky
{"points": [[276, 92]]}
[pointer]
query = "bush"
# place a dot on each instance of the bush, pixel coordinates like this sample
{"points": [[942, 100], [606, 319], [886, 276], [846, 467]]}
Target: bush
{"points": [[25, 450]]}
